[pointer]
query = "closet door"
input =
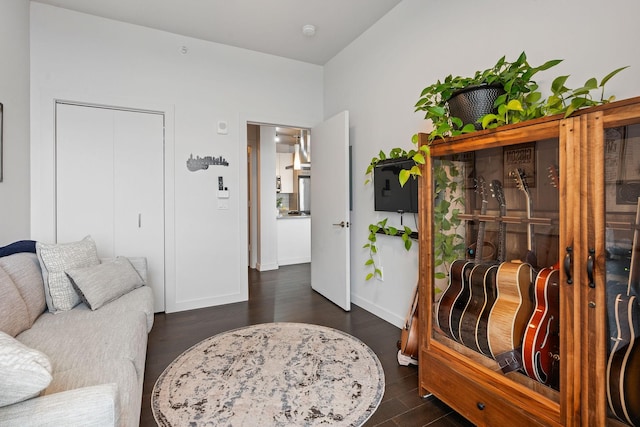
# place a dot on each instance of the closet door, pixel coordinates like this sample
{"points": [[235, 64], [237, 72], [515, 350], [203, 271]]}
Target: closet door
{"points": [[110, 183]]}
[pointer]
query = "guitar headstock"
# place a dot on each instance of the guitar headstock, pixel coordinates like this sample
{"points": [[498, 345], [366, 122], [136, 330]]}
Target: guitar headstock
{"points": [[521, 180], [554, 176], [481, 187], [498, 193]]}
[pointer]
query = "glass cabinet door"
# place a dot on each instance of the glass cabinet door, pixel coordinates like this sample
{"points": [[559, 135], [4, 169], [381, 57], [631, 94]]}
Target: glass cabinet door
{"points": [[621, 157], [496, 296]]}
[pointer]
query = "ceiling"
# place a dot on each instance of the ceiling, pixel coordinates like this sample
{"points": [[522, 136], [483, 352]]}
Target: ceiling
{"points": [[268, 26]]}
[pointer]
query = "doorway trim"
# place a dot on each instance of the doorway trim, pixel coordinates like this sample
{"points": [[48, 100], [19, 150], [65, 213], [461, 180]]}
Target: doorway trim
{"points": [[246, 119]]}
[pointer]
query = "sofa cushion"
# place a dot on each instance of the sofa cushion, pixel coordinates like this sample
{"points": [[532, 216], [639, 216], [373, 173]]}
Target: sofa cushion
{"points": [[15, 317], [24, 270], [117, 371], [102, 283], [81, 338], [54, 260], [25, 372]]}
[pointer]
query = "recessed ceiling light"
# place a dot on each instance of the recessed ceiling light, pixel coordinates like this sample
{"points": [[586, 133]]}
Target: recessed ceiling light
{"points": [[309, 30]]}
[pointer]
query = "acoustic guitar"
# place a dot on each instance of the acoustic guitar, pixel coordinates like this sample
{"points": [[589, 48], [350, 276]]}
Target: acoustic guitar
{"points": [[541, 342], [623, 364], [513, 306], [458, 273], [490, 272], [409, 344], [477, 298]]}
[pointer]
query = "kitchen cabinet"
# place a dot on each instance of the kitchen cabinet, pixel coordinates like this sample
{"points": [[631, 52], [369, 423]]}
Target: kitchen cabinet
{"points": [[534, 320], [294, 239], [286, 175]]}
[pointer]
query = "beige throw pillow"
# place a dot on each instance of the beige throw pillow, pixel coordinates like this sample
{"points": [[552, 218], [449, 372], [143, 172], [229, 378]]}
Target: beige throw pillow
{"points": [[100, 284], [24, 372], [54, 260]]}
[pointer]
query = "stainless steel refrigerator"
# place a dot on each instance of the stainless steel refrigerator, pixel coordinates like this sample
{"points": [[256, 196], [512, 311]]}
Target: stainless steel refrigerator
{"points": [[304, 194]]}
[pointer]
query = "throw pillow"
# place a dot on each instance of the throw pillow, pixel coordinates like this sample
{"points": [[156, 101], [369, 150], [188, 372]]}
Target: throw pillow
{"points": [[54, 260], [25, 372], [103, 283]]}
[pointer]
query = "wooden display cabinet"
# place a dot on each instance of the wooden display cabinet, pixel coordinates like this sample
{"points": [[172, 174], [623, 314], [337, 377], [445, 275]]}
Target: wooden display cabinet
{"points": [[536, 318]]}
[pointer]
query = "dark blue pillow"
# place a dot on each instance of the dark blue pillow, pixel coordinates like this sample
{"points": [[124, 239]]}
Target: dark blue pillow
{"points": [[19, 246]]}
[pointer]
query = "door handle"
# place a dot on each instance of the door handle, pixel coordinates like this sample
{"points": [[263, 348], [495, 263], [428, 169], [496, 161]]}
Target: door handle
{"points": [[343, 224]]}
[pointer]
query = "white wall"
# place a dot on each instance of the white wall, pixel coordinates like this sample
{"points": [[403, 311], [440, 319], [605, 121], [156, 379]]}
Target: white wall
{"points": [[14, 95], [80, 57], [379, 77]]}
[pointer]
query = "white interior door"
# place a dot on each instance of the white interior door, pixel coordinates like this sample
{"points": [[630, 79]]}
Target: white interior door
{"points": [[110, 184], [330, 255]]}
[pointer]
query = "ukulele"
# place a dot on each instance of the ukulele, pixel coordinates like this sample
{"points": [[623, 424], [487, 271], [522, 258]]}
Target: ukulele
{"points": [[408, 345], [476, 299], [490, 272], [623, 364], [513, 306], [541, 342]]}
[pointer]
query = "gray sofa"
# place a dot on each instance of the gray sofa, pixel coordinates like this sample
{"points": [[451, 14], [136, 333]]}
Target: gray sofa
{"points": [[95, 358]]}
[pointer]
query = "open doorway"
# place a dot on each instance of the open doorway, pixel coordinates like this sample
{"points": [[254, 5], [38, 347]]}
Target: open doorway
{"points": [[278, 192]]}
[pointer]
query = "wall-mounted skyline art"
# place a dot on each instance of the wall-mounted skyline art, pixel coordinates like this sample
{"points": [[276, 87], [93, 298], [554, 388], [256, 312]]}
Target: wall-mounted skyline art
{"points": [[203, 163]]}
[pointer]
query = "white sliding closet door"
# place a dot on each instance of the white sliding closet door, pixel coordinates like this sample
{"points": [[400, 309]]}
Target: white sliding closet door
{"points": [[110, 183]]}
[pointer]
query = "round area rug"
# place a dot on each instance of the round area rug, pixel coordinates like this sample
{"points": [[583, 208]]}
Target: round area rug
{"points": [[273, 374]]}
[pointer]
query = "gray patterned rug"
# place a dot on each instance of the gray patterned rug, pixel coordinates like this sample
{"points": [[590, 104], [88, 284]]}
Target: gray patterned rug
{"points": [[273, 374]]}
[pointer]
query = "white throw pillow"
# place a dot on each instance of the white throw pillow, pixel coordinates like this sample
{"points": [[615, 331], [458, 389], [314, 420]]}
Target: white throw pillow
{"points": [[54, 260], [100, 284], [24, 372]]}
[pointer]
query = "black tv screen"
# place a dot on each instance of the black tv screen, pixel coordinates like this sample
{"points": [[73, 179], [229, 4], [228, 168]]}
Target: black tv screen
{"points": [[389, 195]]}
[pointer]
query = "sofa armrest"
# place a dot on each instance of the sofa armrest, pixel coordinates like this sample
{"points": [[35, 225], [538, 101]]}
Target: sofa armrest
{"points": [[87, 406]]}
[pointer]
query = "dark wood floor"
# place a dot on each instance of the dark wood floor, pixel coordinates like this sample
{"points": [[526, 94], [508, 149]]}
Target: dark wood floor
{"points": [[285, 295]]}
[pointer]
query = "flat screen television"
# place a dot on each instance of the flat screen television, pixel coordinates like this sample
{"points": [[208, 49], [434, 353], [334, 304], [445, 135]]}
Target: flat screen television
{"points": [[389, 195]]}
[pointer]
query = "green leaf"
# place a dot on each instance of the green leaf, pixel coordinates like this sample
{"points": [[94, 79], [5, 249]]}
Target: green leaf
{"points": [[514, 105], [558, 83], [369, 262], [418, 158], [374, 249], [366, 246], [369, 276], [403, 176], [407, 244], [610, 75]]}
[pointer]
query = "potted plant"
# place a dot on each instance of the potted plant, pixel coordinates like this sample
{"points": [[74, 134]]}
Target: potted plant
{"points": [[516, 97]]}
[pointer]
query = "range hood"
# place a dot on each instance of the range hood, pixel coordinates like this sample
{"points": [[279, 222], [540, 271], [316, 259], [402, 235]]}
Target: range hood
{"points": [[302, 153]]}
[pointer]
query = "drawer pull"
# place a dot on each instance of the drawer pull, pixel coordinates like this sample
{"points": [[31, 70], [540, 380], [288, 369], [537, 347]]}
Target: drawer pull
{"points": [[480, 406]]}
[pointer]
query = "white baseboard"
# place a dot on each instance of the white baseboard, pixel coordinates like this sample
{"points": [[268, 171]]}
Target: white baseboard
{"points": [[378, 311]]}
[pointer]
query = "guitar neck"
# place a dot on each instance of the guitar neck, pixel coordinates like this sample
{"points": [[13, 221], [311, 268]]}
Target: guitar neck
{"points": [[530, 243], [502, 238], [481, 230], [633, 269]]}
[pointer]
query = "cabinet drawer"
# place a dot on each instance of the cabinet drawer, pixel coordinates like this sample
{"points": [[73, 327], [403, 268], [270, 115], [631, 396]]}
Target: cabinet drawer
{"points": [[475, 401]]}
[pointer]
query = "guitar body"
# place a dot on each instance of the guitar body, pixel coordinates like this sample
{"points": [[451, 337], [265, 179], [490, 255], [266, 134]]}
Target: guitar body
{"points": [[541, 342], [450, 295], [409, 338], [408, 344], [461, 302], [512, 308], [471, 323], [623, 365], [491, 294]]}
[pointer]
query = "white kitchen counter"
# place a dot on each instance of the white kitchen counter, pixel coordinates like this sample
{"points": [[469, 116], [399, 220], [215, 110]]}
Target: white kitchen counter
{"points": [[294, 239]]}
